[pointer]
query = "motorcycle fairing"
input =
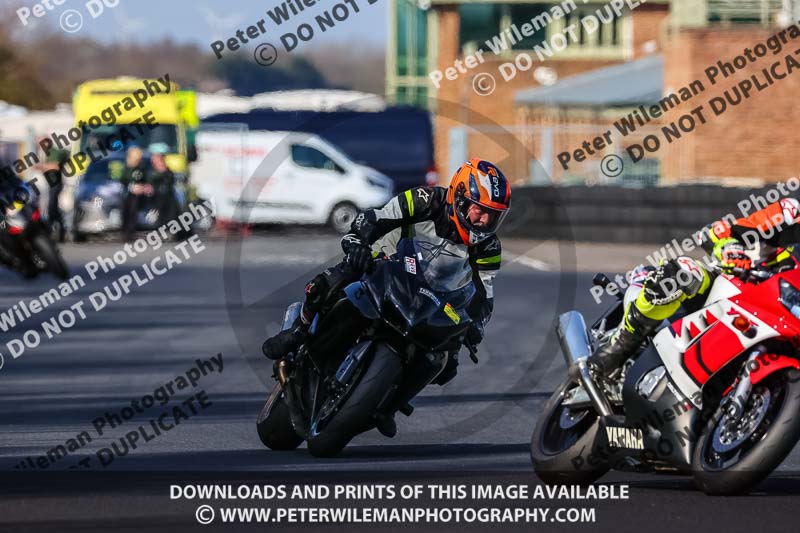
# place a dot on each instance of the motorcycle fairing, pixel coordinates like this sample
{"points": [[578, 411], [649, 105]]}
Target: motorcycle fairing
{"points": [[360, 296], [410, 292], [667, 418], [698, 345]]}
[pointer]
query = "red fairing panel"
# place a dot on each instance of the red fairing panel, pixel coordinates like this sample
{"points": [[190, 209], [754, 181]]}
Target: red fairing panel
{"points": [[711, 352]]}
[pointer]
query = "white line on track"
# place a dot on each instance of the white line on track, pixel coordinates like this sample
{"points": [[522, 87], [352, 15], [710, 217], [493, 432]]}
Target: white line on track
{"points": [[529, 262]]}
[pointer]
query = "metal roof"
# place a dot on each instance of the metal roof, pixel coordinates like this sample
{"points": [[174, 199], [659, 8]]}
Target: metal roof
{"points": [[632, 83]]}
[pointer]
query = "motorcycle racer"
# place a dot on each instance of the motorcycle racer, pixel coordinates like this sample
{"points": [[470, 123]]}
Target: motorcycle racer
{"points": [[467, 213], [685, 282], [13, 193]]}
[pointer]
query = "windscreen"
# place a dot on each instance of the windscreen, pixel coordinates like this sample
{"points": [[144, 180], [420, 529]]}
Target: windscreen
{"points": [[163, 137], [444, 265]]}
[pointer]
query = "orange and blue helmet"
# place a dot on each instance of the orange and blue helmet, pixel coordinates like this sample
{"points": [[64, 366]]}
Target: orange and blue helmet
{"points": [[478, 199]]}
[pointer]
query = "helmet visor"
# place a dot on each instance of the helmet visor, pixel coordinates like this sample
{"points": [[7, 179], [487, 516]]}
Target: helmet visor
{"points": [[478, 219]]}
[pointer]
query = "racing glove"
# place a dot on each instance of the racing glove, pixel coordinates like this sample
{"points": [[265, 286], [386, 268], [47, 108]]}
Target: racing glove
{"points": [[358, 255], [730, 254], [474, 334], [660, 286]]}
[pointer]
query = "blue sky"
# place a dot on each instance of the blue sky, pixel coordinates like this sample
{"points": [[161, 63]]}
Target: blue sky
{"points": [[204, 21]]}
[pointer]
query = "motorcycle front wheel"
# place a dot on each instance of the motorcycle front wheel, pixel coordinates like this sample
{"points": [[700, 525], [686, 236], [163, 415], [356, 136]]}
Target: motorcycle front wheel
{"points": [[563, 443], [355, 412], [733, 454]]}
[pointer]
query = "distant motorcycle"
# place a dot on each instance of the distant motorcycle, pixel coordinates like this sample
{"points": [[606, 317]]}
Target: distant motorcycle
{"points": [[28, 239], [375, 350], [714, 394]]}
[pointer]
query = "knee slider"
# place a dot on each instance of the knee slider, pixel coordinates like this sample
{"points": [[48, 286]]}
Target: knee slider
{"points": [[316, 290]]}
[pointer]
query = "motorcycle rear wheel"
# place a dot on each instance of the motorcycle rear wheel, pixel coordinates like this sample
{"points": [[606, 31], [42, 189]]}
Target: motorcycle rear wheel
{"points": [[356, 412], [565, 456], [778, 429], [43, 246]]}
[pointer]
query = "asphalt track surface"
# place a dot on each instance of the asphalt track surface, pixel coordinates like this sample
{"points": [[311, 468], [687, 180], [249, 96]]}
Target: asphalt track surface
{"points": [[225, 300]]}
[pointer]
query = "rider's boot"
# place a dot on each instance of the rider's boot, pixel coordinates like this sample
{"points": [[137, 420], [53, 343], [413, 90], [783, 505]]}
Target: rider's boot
{"points": [[285, 341], [628, 337], [386, 425]]}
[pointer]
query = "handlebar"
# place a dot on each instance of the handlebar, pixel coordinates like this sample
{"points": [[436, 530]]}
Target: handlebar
{"points": [[752, 275]]}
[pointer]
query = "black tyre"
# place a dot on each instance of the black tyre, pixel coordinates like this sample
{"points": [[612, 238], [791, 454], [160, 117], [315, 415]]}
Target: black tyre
{"points": [[78, 236], [274, 425], [356, 412], [563, 443], [730, 458], [47, 251]]}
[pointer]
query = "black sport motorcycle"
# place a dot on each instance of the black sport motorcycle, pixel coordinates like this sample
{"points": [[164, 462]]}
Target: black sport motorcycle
{"points": [[387, 338], [26, 237]]}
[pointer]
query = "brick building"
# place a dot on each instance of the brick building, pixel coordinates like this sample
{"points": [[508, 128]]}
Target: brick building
{"points": [[529, 119]]}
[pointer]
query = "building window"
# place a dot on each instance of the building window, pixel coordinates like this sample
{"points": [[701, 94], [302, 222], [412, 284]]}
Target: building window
{"points": [[744, 11], [524, 13], [609, 35], [492, 22], [407, 81], [479, 23]]}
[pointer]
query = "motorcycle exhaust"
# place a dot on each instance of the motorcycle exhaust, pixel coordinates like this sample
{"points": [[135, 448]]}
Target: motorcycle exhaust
{"points": [[280, 368], [574, 339]]}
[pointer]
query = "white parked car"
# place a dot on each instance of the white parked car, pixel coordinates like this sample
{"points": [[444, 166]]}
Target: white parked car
{"points": [[284, 177]]}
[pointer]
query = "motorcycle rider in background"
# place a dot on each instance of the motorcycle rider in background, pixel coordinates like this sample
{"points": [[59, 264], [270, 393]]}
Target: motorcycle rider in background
{"points": [[665, 289], [13, 193], [468, 213]]}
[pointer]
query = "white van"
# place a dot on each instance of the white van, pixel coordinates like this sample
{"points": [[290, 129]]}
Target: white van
{"points": [[284, 177]]}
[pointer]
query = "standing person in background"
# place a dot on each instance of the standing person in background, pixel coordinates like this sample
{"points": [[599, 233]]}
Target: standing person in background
{"points": [[136, 187], [54, 174], [163, 181]]}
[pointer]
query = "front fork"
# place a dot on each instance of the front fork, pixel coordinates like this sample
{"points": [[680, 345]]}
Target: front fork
{"points": [[735, 403]]}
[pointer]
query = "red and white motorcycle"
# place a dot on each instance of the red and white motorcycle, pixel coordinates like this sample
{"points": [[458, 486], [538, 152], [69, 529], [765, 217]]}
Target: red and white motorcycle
{"points": [[715, 394]]}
